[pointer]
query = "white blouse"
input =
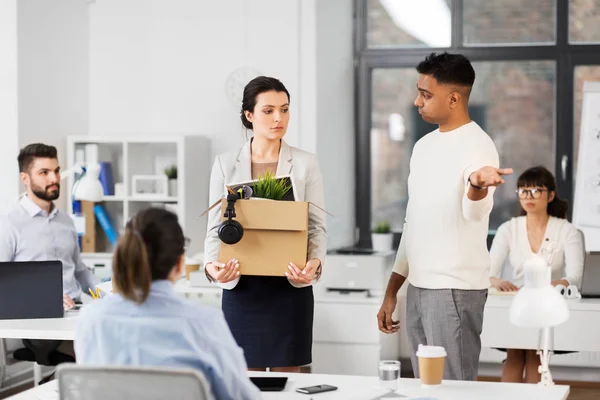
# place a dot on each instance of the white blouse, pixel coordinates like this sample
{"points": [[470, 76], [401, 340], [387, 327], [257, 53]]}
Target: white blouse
{"points": [[562, 248]]}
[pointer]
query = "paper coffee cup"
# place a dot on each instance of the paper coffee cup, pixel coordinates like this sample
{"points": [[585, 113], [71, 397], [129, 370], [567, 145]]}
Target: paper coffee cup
{"points": [[431, 364]]}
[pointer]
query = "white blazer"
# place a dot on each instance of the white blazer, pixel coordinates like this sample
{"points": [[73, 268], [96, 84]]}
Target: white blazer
{"points": [[235, 166], [562, 248]]}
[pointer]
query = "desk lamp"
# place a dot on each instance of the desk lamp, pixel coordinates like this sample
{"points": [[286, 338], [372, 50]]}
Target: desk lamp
{"points": [[538, 305], [88, 186]]}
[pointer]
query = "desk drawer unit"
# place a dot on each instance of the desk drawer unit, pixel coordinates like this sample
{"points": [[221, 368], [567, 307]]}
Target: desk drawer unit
{"points": [[346, 323]]}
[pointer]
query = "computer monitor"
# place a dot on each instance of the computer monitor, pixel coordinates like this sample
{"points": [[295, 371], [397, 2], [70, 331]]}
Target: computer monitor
{"points": [[590, 284], [31, 289]]}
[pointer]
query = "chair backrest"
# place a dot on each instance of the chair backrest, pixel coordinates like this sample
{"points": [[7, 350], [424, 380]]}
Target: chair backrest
{"points": [[82, 382]]}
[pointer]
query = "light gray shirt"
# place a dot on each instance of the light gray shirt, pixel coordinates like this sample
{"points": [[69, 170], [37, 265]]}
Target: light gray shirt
{"points": [[28, 233], [165, 331]]}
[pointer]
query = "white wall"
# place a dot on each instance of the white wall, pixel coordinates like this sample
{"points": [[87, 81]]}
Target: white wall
{"points": [[53, 79], [160, 67], [9, 123]]}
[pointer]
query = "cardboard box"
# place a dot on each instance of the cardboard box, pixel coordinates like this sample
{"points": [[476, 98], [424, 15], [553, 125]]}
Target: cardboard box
{"points": [[275, 233]]}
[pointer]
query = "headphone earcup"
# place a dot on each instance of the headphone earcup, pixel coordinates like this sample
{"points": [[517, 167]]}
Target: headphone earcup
{"points": [[231, 232]]}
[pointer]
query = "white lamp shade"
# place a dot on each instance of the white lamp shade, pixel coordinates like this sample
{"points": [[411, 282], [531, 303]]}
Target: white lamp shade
{"points": [[537, 304], [89, 188], [538, 308]]}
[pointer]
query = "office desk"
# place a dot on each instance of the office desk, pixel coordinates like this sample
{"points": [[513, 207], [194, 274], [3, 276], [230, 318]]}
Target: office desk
{"points": [[579, 333], [363, 388], [64, 328], [52, 328], [183, 287]]}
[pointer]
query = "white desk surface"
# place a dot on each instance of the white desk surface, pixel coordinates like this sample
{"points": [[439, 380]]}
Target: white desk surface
{"points": [[579, 333], [366, 388], [51, 328], [64, 328], [505, 300], [183, 286]]}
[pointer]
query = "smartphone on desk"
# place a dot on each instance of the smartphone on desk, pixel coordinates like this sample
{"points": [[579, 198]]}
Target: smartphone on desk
{"points": [[316, 389]]}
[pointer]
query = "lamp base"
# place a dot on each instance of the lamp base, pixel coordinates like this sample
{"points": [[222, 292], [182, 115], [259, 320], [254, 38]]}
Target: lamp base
{"points": [[546, 379]]}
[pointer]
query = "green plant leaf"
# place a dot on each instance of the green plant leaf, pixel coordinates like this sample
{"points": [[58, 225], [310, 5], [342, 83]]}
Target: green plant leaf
{"points": [[269, 187], [171, 172], [382, 227]]}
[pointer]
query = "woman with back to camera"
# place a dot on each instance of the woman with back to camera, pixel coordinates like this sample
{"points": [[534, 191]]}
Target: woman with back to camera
{"points": [[147, 323], [541, 229], [270, 317]]}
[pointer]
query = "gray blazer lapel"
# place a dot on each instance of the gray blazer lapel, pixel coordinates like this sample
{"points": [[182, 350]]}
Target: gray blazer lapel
{"points": [[284, 165], [243, 167]]}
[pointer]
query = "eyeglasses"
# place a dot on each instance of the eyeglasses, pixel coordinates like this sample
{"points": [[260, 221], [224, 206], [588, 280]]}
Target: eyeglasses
{"points": [[535, 193]]}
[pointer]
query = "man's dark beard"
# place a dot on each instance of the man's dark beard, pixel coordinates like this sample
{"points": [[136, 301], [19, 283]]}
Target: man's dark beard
{"points": [[43, 194]]}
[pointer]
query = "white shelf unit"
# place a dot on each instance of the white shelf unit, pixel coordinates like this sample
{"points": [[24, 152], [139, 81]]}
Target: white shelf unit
{"points": [[138, 155]]}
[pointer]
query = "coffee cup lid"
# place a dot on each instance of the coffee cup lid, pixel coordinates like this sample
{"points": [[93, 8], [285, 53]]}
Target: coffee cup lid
{"points": [[431, 351]]}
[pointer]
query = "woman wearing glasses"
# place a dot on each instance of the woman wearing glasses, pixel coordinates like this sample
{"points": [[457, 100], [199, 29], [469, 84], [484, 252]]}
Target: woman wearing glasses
{"points": [[541, 229]]}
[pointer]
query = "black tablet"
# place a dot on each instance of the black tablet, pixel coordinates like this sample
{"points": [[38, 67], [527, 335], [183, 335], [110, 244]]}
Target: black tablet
{"points": [[269, 384]]}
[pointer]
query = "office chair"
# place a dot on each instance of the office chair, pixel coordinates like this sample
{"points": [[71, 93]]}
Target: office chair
{"points": [[9, 357], [54, 359], [77, 382]]}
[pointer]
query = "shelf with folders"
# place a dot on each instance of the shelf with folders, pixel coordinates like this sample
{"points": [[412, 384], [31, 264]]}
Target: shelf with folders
{"points": [[104, 219], [135, 177]]}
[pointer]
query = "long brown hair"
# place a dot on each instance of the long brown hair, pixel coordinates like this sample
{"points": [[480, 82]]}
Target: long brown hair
{"points": [[541, 177], [150, 248]]}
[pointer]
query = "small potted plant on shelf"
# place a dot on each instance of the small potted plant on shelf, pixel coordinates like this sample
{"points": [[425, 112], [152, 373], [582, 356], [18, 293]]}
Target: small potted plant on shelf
{"points": [[269, 187], [171, 173], [382, 237]]}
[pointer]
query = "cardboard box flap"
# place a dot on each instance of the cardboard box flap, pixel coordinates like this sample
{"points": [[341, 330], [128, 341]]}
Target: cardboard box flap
{"points": [[213, 205], [271, 215]]}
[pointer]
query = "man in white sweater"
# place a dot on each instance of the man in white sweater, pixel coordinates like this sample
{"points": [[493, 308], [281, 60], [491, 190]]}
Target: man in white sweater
{"points": [[443, 251]]}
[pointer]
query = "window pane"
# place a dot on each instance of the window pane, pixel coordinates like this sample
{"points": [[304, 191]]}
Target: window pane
{"points": [[514, 104], [584, 21], [395, 23], [582, 74], [512, 101], [509, 22], [395, 125]]}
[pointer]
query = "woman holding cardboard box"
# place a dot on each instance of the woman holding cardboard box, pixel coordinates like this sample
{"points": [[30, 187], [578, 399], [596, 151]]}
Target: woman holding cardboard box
{"points": [[271, 317]]}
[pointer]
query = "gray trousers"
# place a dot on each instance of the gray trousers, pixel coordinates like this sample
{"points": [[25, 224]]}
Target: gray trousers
{"points": [[450, 318]]}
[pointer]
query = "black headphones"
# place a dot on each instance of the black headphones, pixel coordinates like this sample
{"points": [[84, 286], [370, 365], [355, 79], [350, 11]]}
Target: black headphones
{"points": [[230, 231]]}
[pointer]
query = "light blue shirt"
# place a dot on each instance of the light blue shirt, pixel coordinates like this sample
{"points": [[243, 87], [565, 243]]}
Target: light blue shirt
{"points": [[28, 233], [165, 330]]}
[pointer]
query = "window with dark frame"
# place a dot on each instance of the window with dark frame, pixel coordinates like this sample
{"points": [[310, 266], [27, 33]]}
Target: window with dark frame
{"points": [[531, 58]]}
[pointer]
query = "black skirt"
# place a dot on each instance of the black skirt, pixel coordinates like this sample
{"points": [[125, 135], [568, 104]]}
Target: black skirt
{"points": [[271, 320]]}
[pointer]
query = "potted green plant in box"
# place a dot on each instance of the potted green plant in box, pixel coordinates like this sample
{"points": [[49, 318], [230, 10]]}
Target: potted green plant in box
{"points": [[171, 173], [269, 187], [382, 237]]}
